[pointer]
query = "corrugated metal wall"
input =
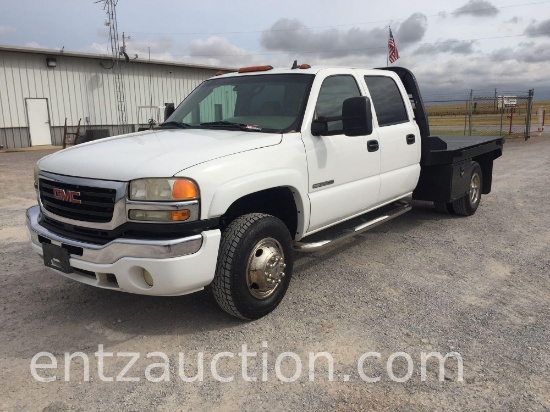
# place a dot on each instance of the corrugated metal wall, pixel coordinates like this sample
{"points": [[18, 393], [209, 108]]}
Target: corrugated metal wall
{"points": [[79, 88]]}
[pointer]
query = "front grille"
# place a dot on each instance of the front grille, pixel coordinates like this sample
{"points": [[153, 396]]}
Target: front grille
{"points": [[97, 203]]}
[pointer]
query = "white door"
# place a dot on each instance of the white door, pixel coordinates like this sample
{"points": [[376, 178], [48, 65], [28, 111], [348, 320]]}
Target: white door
{"points": [[399, 137], [344, 171], [39, 122]]}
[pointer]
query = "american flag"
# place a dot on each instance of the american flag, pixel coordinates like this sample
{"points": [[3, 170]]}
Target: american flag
{"points": [[392, 49]]}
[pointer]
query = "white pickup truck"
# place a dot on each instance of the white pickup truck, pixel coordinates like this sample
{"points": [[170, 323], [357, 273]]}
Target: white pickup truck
{"points": [[251, 167]]}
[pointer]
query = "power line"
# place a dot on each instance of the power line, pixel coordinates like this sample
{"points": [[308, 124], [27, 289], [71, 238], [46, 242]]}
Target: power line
{"points": [[340, 25], [348, 50]]}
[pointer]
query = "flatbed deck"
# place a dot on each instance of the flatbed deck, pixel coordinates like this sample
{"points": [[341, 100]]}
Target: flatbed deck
{"points": [[452, 149]]}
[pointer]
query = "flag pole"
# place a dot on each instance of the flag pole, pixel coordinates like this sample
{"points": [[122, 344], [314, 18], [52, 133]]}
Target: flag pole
{"points": [[387, 47]]}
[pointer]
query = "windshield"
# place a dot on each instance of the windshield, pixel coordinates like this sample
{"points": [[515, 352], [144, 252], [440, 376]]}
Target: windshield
{"points": [[265, 103]]}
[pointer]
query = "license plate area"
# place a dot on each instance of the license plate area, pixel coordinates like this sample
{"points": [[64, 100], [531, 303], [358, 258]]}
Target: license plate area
{"points": [[56, 257]]}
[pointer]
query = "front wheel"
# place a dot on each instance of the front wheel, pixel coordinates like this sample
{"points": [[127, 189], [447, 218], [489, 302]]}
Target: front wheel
{"points": [[468, 204], [254, 266]]}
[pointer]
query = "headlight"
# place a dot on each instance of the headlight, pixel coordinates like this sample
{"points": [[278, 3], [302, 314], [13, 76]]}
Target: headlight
{"points": [[167, 190], [36, 173]]}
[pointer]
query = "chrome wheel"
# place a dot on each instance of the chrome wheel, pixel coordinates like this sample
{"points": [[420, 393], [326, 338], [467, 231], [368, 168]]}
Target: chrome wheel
{"points": [[265, 269], [475, 188]]}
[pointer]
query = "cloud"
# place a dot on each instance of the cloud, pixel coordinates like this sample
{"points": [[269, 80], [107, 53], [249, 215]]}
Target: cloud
{"points": [[500, 55], [514, 20], [541, 29], [7, 29], [292, 36], [534, 53], [447, 46], [412, 29], [528, 52], [477, 8], [461, 73], [215, 50]]}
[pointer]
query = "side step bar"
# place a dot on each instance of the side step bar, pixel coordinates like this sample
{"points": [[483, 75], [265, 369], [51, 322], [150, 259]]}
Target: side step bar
{"points": [[316, 246]]}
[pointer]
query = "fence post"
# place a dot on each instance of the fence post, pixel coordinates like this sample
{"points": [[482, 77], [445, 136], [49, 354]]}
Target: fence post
{"points": [[470, 111], [529, 111], [466, 117], [501, 120]]}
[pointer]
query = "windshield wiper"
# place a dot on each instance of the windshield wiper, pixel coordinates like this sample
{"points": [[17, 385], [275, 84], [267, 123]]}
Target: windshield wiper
{"points": [[173, 124], [224, 123]]}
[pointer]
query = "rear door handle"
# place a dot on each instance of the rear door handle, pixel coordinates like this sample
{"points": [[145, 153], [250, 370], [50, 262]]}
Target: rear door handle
{"points": [[372, 145], [410, 139]]}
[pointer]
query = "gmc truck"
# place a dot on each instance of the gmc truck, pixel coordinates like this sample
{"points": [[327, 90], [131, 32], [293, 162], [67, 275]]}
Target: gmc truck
{"points": [[250, 168]]}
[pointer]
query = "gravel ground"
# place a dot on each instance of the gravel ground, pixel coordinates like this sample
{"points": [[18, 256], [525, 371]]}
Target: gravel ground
{"points": [[424, 282]]}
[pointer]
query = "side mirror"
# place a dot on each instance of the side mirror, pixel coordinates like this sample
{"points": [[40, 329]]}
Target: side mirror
{"points": [[169, 108], [357, 116]]}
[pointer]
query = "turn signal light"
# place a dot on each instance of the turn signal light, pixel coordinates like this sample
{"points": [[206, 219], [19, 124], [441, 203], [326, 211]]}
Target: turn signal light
{"points": [[184, 190], [180, 214], [159, 215]]}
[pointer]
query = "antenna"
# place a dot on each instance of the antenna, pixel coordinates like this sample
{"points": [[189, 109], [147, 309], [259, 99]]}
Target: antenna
{"points": [[116, 52]]}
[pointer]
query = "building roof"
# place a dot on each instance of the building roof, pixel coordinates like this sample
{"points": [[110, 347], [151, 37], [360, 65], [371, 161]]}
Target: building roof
{"points": [[52, 52]]}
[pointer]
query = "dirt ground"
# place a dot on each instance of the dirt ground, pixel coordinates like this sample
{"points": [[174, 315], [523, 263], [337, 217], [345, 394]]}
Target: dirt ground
{"points": [[425, 282]]}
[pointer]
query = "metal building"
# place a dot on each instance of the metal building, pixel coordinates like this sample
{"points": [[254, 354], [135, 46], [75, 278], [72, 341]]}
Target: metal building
{"points": [[41, 88]]}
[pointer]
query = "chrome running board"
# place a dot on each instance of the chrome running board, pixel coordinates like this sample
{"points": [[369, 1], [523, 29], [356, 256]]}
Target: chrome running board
{"points": [[402, 208]]}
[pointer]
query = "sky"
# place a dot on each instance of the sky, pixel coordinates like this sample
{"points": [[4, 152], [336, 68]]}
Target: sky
{"points": [[452, 46]]}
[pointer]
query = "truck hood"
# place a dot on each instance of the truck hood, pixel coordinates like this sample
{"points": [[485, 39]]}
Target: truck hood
{"points": [[155, 153]]}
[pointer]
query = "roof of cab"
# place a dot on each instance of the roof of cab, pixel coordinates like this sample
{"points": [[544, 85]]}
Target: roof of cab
{"points": [[310, 70]]}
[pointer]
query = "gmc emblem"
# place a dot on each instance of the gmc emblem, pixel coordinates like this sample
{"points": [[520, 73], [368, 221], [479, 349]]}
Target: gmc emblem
{"points": [[66, 195]]}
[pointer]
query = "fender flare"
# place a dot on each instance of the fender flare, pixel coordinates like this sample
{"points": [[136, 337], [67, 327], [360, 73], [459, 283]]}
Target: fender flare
{"points": [[232, 191]]}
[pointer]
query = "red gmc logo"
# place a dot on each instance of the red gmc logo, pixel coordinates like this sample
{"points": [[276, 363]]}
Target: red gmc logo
{"points": [[66, 195]]}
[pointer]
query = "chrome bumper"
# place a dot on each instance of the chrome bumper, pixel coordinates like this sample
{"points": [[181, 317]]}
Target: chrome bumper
{"points": [[116, 249]]}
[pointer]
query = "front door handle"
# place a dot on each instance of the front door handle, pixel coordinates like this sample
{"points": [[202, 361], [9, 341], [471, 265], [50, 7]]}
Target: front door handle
{"points": [[410, 139], [372, 145]]}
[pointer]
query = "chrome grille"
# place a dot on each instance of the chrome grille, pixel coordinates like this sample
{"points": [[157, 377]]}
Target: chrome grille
{"points": [[96, 203]]}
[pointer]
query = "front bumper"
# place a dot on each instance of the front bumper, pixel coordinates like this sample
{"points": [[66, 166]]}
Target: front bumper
{"points": [[177, 266]]}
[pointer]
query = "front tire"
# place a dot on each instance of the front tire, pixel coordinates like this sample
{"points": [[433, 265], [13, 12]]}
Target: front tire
{"points": [[254, 266], [468, 204]]}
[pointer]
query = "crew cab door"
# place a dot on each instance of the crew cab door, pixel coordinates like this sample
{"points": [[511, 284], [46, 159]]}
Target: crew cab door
{"points": [[343, 170], [398, 134]]}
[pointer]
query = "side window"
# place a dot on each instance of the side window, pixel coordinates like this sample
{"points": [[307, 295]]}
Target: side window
{"points": [[387, 100], [334, 91]]}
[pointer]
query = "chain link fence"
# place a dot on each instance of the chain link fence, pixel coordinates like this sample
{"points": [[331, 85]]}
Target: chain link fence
{"points": [[481, 113]]}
